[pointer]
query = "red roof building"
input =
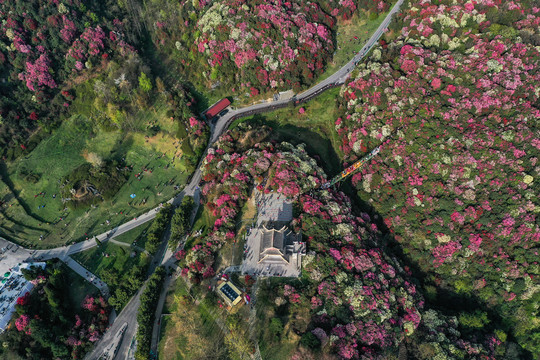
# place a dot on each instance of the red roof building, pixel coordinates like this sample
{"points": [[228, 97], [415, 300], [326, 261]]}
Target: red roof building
{"points": [[217, 107]]}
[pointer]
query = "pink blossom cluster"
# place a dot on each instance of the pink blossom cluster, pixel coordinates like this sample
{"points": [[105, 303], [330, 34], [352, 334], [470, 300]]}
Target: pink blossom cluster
{"points": [[68, 32], [443, 252], [365, 291], [22, 322], [41, 36], [299, 39], [229, 174], [290, 293], [89, 303], [89, 44], [289, 56], [87, 326], [200, 259], [37, 74]]}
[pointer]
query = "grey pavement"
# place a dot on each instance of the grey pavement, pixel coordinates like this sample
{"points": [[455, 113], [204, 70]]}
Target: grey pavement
{"points": [[11, 255], [129, 315], [232, 269], [253, 321], [272, 207]]}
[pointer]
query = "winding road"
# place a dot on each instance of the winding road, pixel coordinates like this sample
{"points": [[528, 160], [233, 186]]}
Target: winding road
{"points": [[129, 313]]}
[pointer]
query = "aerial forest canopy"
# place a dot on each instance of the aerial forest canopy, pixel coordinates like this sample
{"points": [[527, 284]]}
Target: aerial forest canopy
{"points": [[45, 48], [458, 188], [429, 251], [253, 46]]}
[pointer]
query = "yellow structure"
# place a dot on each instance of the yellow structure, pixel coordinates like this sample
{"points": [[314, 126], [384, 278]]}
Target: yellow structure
{"points": [[230, 293]]}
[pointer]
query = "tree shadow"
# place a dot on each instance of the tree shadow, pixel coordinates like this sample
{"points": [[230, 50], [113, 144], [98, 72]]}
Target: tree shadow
{"points": [[7, 180], [314, 142], [120, 149]]}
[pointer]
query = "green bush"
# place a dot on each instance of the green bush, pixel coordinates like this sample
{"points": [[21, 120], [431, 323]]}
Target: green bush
{"points": [[276, 328], [181, 220], [476, 320], [310, 341], [155, 232]]}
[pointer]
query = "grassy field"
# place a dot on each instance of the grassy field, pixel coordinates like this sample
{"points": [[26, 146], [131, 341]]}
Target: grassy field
{"points": [[315, 128], [34, 208], [135, 236], [190, 332], [204, 222], [119, 258]]}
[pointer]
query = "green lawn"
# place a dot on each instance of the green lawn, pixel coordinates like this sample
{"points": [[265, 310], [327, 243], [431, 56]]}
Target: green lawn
{"points": [[119, 258], [135, 236], [204, 221], [32, 210]]}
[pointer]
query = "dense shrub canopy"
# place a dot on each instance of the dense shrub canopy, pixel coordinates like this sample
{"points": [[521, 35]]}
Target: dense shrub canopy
{"points": [[458, 187], [44, 45], [255, 46], [363, 302]]}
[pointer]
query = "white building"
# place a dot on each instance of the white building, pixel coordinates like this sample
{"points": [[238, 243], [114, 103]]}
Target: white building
{"points": [[12, 286]]}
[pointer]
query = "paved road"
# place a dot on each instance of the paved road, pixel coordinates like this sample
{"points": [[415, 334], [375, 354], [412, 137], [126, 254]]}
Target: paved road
{"points": [[169, 261], [164, 257], [336, 79]]}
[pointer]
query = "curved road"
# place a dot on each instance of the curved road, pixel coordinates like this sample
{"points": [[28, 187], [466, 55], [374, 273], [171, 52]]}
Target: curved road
{"points": [[129, 313]]}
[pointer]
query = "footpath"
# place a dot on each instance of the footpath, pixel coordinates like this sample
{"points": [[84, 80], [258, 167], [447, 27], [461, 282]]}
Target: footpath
{"points": [[87, 275]]}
